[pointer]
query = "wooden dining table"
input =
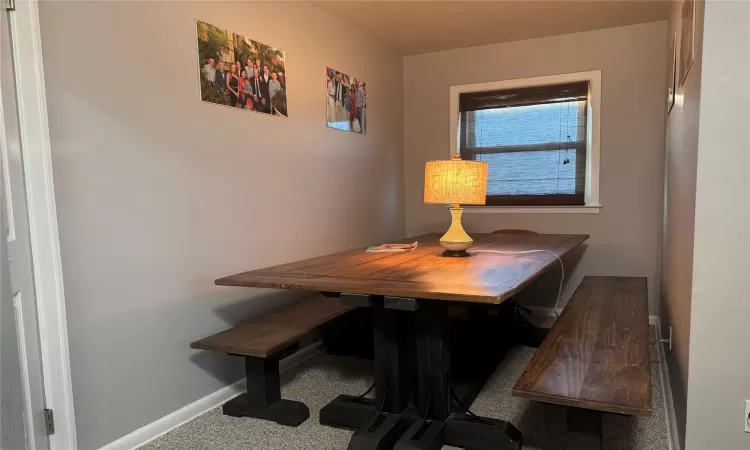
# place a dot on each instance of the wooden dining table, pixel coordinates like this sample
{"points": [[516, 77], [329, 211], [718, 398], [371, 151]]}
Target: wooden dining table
{"points": [[416, 404]]}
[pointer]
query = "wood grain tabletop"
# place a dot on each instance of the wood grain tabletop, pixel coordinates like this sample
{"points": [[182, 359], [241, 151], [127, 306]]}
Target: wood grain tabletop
{"points": [[422, 273]]}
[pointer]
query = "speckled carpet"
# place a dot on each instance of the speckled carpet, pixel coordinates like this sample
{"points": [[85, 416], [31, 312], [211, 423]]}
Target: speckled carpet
{"points": [[321, 378]]}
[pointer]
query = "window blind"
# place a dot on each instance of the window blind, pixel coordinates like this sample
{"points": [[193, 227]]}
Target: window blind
{"points": [[534, 140]]}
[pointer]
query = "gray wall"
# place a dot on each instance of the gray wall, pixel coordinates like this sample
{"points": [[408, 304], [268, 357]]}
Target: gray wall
{"points": [[158, 194], [719, 380], [626, 234], [679, 216]]}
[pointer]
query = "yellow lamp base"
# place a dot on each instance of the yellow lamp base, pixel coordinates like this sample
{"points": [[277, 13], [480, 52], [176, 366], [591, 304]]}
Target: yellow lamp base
{"points": [[455, 241]]}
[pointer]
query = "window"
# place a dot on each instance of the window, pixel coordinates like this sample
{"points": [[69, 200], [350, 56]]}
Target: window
{"points": [[537, 136]]}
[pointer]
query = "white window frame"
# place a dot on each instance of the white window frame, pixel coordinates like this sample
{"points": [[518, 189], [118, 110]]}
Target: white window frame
{"points": [[591, 194]]}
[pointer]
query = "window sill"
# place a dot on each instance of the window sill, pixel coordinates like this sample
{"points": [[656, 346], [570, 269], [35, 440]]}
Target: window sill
{"points": [[586, 209]]}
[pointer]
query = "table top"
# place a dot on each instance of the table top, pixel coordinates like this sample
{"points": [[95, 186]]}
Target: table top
{"points": [[422, 273]]}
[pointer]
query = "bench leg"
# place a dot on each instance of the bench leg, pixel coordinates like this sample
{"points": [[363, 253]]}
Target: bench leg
{"points": [[263, 398], [584, 429]]}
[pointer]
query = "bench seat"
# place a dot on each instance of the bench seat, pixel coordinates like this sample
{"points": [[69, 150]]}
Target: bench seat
{"points": [[272, 332], [596, 355], [263, 342]]}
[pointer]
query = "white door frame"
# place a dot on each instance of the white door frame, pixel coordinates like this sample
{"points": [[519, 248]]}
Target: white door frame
{"points": [[43, 233]]}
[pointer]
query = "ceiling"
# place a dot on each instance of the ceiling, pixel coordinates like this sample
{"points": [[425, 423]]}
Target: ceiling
{"points": [[425, 26]]}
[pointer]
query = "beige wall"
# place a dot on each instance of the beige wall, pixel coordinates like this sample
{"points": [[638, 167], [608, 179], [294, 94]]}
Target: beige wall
{"points": [[679, 217], [626, 234], [158, 194], [719, 373]]}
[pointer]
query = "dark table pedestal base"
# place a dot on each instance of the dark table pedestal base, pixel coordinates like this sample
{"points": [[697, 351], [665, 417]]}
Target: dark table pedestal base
{"points": [[481, 433], [380, 434], [417, 393], [422, 435], [407, 431]]}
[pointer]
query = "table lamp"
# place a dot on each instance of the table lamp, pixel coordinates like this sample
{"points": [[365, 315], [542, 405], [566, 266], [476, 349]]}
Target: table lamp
{"points": [[455, 182]]}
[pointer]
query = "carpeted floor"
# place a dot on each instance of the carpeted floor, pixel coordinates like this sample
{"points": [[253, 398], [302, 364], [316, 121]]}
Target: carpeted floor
{"points": [[321, 378]]}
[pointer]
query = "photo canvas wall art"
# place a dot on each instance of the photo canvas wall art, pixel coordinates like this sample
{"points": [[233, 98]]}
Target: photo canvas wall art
{"points": [[346, 102], [672, 80], [687, 38], [239, 72]]}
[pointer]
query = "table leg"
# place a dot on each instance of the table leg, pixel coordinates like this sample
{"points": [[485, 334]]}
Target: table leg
{"points": [[398, 419], [472, 364], [436, 396], [395, 378], [434, 361]]}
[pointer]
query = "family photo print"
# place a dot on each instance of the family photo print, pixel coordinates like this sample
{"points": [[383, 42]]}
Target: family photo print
{"points": [[239, 72], [346, 107]]}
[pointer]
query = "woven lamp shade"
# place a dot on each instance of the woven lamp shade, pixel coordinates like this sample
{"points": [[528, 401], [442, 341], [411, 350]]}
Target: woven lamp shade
{"points": [[455, 181]]}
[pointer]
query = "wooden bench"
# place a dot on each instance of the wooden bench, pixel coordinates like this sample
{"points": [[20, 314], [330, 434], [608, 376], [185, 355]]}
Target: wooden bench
{"points": [[595, 358], [263, 342]]}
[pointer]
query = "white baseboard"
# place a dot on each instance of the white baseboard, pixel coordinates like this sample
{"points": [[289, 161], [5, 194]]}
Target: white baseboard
{"points": [[550, 312], [189, 412], [666, 388]]}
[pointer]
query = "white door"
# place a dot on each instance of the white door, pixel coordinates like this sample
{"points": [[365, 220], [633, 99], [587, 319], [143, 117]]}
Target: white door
{"points": [[22, 413]]}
